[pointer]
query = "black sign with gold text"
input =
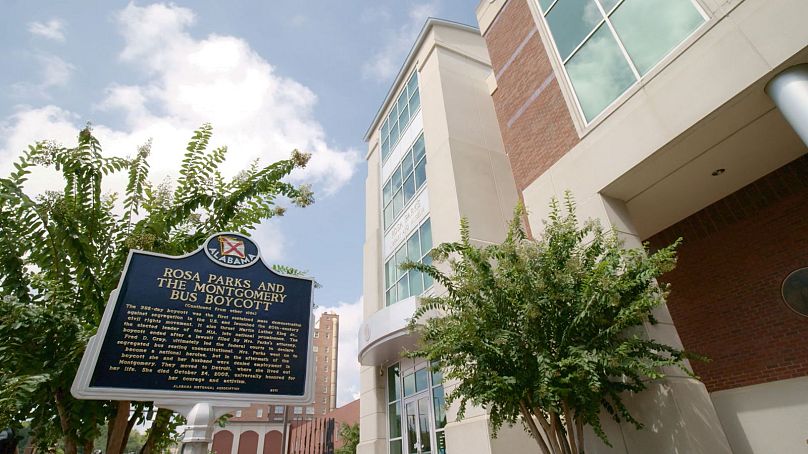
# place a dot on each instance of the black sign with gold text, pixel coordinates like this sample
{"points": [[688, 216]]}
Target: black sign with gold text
{"points": [[215, 321]]}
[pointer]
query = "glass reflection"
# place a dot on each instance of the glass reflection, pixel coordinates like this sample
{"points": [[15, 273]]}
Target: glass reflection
{"points": [[599, 72], [649, 29], [570, 21]]}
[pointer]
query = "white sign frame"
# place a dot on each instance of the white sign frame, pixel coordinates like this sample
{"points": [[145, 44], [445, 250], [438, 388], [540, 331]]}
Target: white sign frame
{"points": [[81, 388]]}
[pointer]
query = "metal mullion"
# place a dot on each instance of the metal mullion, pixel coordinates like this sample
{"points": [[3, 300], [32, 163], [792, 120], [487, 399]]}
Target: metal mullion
{"points": [[586, 38], [575, 99], [614, 8], [549, 7], [619, 42]]}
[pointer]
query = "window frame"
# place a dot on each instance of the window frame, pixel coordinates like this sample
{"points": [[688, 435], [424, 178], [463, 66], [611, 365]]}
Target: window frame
{"points": [[584, 126]]}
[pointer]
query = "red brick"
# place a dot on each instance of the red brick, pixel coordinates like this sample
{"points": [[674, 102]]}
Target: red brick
{"points": [[725, 300], [543, 132]]}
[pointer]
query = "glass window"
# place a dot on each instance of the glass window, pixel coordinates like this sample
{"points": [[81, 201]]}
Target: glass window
{"points": [[298, 410], [400, 285], [599, 73], [437, 374], [608, 4], [393, 386], [409, 188], [309, 410], [439, 401], [421, 377], [416, 282], [426, 237], [278, 409], [650, 29], [405, 107], [607, 45], [395, 446], [394, 416], [544, 4], [259, 413], [404, 182], [570, 21], [409, 384], [398, 203]]}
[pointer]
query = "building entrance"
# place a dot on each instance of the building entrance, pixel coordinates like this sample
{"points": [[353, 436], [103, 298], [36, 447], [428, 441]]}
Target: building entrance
{"points": [[419, 424]]}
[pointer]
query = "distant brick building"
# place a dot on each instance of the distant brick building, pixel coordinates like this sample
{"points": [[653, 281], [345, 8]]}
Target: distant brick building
{"points": [[260, 427]]}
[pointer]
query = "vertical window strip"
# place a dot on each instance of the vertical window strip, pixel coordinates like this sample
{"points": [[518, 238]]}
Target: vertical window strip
{"points": [[394, 431], [404, 183], [400, 115], [399, 284]]}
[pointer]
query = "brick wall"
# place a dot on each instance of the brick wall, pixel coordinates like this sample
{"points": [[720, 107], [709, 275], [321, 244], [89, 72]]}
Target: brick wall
{"points": [[533, 118], [725, 300]]}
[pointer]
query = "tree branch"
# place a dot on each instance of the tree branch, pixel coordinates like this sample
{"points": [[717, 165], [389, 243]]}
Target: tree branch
{"points": [[547, 429], [570, 428], [560, 432], [528, 418]]}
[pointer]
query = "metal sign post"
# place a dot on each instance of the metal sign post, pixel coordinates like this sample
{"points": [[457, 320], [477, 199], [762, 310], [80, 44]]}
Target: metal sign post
{"points": [[203, 334]]}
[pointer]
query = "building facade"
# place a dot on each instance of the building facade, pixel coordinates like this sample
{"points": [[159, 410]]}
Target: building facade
{"points": [[259, 428], [664, 119]]}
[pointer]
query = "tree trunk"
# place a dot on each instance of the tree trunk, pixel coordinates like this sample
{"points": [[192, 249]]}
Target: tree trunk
{"points": [[88, 446], [527, 416], [64, 422], [117, 432], [158, 430], [129, 425]]}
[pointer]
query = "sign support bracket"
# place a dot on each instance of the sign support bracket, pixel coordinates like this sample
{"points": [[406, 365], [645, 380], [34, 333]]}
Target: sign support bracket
{"points": [[200, 419]]}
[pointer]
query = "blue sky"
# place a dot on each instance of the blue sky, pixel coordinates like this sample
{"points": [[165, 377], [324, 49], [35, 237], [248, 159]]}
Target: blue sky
{"points": [[269, 76]]}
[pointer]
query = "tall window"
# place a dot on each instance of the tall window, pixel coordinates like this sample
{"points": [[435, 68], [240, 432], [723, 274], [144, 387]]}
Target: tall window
{"points": [[406, 180], [405, 107], [401, 284], [608, 45]]}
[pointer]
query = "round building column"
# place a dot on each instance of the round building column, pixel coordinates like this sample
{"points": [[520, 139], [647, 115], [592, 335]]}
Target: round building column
{"points": [[789, 91]]}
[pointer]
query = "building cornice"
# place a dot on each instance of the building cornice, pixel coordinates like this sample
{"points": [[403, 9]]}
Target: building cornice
{"points": [[402, 72]]}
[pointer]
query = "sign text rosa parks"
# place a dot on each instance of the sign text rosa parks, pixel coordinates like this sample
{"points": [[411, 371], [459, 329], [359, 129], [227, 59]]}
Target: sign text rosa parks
{"points": [[215, 337], [202, 324], [219, 290]]}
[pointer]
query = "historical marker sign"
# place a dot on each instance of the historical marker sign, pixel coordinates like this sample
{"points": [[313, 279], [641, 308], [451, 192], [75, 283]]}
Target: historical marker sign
{"points": [[214, 325]]}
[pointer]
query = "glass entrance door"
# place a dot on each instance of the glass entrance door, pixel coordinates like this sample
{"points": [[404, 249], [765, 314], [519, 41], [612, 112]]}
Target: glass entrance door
{"points": [[419, 425]]}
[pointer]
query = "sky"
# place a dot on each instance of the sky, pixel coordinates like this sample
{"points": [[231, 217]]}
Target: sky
{"points": [[269, 76]]}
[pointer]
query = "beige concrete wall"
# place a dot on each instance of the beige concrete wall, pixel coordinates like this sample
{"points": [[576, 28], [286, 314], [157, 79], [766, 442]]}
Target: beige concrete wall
{"points": [[767, 418]]}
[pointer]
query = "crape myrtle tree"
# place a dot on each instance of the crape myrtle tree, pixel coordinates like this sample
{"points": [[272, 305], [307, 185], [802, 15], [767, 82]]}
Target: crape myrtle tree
{"points": [[547, 331], [63, 253]]}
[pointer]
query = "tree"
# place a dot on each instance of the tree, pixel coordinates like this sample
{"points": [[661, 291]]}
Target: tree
{"points": [[546, 331], [63, 253], [349, 434]]}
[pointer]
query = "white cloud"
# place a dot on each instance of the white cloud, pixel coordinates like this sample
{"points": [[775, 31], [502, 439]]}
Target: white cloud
{"points": [[350, 317], [189, 81], [385, 63], [53, 72], [52, 29]]}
